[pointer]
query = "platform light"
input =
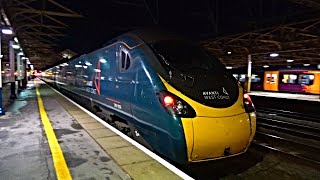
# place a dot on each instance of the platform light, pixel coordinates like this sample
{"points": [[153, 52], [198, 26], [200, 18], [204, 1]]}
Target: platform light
{"points": [[318, 66], [290, 60], [7, 31], [229, 52], [15, 46], [274, 55], [16, 39], [265, 66], [306, 64], [229, 67], [102, 60]]}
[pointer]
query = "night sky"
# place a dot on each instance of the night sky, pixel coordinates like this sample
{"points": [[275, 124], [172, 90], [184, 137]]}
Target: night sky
{"points": [[105, 19]]}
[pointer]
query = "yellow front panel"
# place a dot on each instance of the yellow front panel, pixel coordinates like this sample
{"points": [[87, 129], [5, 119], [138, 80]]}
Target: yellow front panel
{"points": [[188, 131], [213, 135]]}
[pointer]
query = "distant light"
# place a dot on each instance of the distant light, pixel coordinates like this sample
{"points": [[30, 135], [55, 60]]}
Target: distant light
{"points": [[97, 70], [20, 54], [103, 60], [318, 66], [16, 39], [274, 55], [77, 65], [7, 31], [85, 67], [31, 67], [306, 64], [229, 67], [290, 60], [229, 52], [88, 63], [15, 46], [265, 66]]}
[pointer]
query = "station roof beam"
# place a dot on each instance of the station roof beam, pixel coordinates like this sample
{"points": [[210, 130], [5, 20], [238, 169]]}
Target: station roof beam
{"points": [[39, 26]]}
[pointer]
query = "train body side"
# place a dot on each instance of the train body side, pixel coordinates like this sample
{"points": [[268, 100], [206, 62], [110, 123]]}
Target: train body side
{"points": [[296, 81], [129, 94], [130, 90]]}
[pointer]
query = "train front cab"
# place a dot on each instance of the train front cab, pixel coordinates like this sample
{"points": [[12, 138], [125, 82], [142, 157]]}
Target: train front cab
{"points": [[213, 133], [216, 133]]}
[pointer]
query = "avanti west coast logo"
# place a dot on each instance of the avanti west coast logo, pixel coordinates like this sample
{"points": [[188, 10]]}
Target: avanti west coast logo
{"points": [[216, 94]]}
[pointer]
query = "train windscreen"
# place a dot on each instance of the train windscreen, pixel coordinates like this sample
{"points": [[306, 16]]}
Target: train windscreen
{"points": [[192, 70], [186, 56]]}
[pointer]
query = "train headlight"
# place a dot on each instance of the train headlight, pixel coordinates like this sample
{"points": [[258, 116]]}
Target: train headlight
{"points": [[248, 105], [175, 105]]}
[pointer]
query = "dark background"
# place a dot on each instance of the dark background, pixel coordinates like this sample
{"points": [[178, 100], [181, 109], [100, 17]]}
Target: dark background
{"points": [[104, 19]]}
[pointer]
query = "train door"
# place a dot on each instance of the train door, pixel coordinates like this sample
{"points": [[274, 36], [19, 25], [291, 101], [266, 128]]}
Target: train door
{"points": [[271, 80], [123, 89]]}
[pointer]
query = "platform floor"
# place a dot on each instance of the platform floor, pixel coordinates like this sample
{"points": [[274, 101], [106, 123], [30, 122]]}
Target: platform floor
{"points": [[304, 97], [90, 150]]}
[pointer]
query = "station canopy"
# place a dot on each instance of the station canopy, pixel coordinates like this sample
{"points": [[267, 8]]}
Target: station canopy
{"points": [[39, 26], [296, 43]]}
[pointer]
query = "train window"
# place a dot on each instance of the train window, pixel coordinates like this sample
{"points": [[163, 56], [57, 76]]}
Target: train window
{"points": [[306, 79], [125, 60], [289, 79], [255, 78], [271, 78], [242, 78]]}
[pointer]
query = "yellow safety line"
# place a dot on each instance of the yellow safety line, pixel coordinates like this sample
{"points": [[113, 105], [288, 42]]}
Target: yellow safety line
{"points": [[59, 162]]}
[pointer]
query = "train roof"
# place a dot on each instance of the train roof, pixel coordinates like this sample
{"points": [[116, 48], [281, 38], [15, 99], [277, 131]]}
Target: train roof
{"points": [[153, 34]]}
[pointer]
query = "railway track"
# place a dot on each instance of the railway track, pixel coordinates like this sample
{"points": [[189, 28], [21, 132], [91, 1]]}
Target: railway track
{"points": [[291, 147], [290, 133], [290, 128], [289, 114]]}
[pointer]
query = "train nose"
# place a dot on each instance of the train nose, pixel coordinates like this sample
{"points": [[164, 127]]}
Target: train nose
{"points": [[216, 137]]}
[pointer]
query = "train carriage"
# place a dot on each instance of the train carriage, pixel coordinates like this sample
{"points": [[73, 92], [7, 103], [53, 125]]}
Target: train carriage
{"points": [[296, 81], [166, 92]]}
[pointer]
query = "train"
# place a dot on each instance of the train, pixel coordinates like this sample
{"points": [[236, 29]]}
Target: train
{"points": [[297, 81], [306, 81], [164, 91]]}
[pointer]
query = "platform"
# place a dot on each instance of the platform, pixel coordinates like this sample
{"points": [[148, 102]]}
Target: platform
{"points": [[304, 97], [89, 148]]}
